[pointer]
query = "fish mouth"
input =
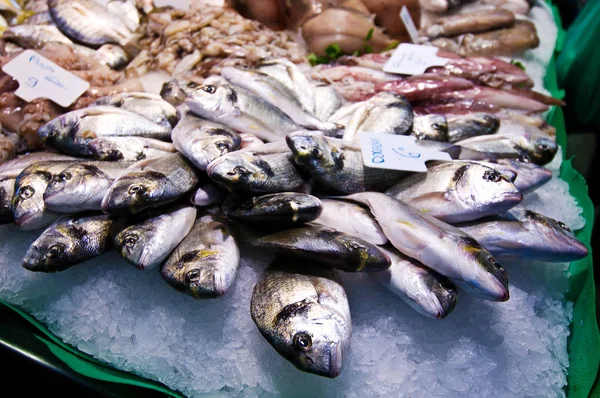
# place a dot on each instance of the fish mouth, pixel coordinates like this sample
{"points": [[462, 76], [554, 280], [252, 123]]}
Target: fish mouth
{"points": [[23, 222], [335, 361], [512, 197]]}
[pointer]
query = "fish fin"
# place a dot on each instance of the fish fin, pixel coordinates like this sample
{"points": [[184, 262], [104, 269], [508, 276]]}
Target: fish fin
{"points": [[428, 202]]}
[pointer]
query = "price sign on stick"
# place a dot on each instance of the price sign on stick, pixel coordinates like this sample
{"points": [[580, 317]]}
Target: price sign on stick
{"points": [[413, 59]]}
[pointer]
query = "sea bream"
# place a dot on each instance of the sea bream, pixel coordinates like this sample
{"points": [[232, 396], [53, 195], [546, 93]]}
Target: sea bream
{"points": [[238, 109], [304, 314], [439, 246], [458, 191], [150, 106], [205, 263], [128, 149], [69, 241], [150, 183], [279, 208]]}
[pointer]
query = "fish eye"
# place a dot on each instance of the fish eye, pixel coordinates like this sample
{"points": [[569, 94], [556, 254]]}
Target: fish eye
{"points": [[192, 275], [26, 192], [54, 250], [492, 176], [209, 89], [62, 177], [437, 126], [221, 145], [192, 85], [543, 147], [135, 189], [497, 265], [316, 152], [130, 240], [564, 226], [302, 341], [240, 170]]}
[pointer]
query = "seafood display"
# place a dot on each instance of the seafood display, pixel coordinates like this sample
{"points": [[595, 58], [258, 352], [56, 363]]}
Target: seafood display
{"points": [[248, 145]]}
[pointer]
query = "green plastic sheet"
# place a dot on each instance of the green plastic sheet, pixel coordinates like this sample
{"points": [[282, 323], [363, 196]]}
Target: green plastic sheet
{"points": [[584, 340]]}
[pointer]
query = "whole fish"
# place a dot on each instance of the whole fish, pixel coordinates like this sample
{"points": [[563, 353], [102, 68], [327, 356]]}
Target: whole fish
{"points": [[461, 127], [303, 313], [537, 148], [92, 23], [384, 113], [206, 262], [430, 127], [150, 183], [472, 22], [276, 94], [150, 106], [14, 167], [529, 176], [290, 75], [336, 169], [424, 86], [531, 236], [82, 186], [7, 190], [146, 244], [128, 149], [245, 172], [112, 55], [325, 247], [28, 209], [426, 291], [283, 207], [521, 36], [327, 101], [439, 246], [34, 36], [239, 110], [352, 219], [202, 141], [458, 191], [207, 195], [69, 241], [71, 132]]}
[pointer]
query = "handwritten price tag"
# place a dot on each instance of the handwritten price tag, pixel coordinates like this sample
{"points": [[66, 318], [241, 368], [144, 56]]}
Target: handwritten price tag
{"points": [[413, 59], [39, 77], [396, 152], [409, 24]]}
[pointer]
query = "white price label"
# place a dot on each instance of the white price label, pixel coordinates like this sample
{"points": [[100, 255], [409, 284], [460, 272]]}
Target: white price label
{"points": [[413, 59], [409, 24], [396, 152], [39, 77], [178, 4]]}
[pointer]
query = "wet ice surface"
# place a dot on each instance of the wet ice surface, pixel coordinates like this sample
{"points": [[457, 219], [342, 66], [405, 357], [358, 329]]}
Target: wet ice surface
{"points": [[136, 322]]}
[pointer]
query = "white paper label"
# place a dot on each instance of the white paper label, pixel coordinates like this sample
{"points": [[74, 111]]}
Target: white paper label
{"points": [[409, 24], [396, 152], [413, 59], [178, 4], [39, 77]]}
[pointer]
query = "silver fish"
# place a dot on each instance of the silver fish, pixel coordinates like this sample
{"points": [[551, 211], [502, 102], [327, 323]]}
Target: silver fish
{"points": [[82, 186], [14, 167], [207, 195], [336, 169], [128, 149], [112, 55], [239, 110], [7, 190], [458, 191], [384, 113], [91, 22], [150, 106], [276, 94], [537, 148], [206, 262], [531, 236], [326, 247], [327, 101], [290, 75], [439, 246], [202, 141], [430, 127], [69, 241], [245, 172], [71, 132], [150, 183], [28, 209], [461, 127], [147, 244], [34, 36], [304, 314], [424, 290], [352, 219], [283, 207]]}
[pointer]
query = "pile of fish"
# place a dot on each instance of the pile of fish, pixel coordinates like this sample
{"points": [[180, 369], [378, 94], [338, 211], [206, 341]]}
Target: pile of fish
{"points": [[268, 158]]}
